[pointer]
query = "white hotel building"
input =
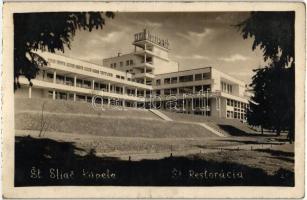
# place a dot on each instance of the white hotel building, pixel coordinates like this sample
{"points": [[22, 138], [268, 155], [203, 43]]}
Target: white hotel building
{"points": [[138, 78]]}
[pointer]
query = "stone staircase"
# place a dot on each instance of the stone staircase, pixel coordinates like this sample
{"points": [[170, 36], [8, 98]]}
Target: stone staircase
{"points": [[160, 114], [204, 125]]}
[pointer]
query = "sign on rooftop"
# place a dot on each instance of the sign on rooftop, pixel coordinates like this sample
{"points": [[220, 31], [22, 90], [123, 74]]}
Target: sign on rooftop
{"points": [[146, 35]]}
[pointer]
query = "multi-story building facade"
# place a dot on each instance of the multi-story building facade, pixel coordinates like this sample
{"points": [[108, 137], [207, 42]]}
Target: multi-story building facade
{"points": [[145, 77]]}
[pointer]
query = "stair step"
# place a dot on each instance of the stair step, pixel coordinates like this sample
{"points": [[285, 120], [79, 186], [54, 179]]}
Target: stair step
{"points": [[160, 114]]}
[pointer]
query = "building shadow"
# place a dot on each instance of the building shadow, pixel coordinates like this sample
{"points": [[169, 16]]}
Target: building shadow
{"points": [[234, 131], [46, 162]]}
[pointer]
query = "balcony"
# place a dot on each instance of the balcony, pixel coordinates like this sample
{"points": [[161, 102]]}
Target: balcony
{"points": [[151, 53], [142, 75], [148, 65]]}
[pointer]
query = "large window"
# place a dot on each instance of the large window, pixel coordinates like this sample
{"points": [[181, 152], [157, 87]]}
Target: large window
{"points": [[174, 80], [206, 75], [186, 78], [198, 77], [186, 90], [167, 81], [226, 87]]}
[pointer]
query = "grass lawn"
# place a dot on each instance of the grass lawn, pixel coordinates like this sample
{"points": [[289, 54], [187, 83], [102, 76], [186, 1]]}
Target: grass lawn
{"points": [[81, 146], [154, 159]]}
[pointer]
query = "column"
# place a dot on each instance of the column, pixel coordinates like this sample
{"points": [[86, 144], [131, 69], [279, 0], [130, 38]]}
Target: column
{"points": [[136, 92], [93, 84], [75, 81], [30, 92], [75, 96], [109, 101], [193, 89], [124, 90], [145, 73], [144, 93], [54, 77], [109, 87], [145, 58], [219, 107], [192, 105], [53, 94]]}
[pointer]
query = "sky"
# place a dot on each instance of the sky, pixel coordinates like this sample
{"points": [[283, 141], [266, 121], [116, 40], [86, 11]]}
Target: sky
{"points": [[196, 40]]}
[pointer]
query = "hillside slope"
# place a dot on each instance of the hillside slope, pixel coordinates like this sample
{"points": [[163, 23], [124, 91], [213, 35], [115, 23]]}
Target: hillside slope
{"points": [[81, 118]]}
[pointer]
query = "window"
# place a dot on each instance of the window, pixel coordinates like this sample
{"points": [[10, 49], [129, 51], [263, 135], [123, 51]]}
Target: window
{"points": [[158, 82], [50, 94], [121, 64], [87, 69], [206, 87], [206, 75], [174, 80], [70, 65], [228, 102], [186, 90], [198, 88], [79, 67], [167, 81], [226, 87], [186, 78], [158, 92], [51, 60], [167, 92], [111, 65], [198, 77], [131, 62], [127, 62], [87, 84], [49, 76], [114, 65], [174, 91], [69, 81], [60, 62], [59, 79], [79, 83]]}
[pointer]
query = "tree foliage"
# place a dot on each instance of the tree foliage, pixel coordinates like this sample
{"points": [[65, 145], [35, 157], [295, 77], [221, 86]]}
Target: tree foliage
{"points": [[273, 32], [273, 84], [47, 32]]}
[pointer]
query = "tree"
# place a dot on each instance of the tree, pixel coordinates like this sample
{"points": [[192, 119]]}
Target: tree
{"points": [[273, 85], [256, 114], [47, 32]]}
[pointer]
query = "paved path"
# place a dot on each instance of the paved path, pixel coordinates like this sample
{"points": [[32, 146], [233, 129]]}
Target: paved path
{"points": [[134, 156]]}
